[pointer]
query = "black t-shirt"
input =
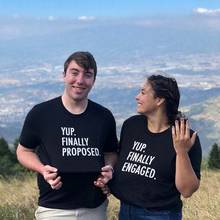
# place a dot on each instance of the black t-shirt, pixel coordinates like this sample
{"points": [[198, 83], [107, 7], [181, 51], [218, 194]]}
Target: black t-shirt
{"points": [[75, 145], [145, 173]]}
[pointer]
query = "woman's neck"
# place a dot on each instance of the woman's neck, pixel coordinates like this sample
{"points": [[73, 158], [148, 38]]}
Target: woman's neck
{"points": [[157, 124]]}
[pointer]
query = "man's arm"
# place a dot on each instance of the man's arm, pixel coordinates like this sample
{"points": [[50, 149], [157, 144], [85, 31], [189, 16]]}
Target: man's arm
{"points": [[29, 159]]}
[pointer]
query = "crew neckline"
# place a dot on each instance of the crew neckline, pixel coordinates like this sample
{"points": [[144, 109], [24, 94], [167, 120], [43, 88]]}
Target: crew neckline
{"points": [[155, 133], [72, 114]]}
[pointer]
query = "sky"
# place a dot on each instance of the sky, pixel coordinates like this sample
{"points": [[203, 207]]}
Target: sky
{"points": [[161, 23], [106, 8]]}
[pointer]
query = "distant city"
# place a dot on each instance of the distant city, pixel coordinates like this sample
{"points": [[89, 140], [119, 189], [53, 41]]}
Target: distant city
{"points": [[31, 71]]}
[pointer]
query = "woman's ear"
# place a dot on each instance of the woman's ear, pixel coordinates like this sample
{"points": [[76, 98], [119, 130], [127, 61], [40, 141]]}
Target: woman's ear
{"points": [[160, 101]]}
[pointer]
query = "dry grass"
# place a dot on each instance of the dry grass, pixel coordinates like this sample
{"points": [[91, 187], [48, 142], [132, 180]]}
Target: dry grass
{"points": [[203, 205], [18, 198]]}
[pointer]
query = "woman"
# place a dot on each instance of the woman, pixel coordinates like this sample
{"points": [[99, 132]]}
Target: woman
{"points": [[160, 156]]}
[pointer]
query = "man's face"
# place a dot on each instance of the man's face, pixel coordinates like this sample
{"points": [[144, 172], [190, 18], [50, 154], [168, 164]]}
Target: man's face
{"points": [[78, 82]]}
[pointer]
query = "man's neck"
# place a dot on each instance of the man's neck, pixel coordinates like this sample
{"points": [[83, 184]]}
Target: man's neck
{"points": [[74, 107]]}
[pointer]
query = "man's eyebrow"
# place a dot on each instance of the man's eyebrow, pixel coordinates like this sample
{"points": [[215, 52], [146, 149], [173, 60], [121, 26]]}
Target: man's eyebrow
{"points": [[74, 69], [89, 71], [77, 70]]}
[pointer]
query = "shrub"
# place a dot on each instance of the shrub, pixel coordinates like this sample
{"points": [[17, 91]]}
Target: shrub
{"points": [[214, 157]]}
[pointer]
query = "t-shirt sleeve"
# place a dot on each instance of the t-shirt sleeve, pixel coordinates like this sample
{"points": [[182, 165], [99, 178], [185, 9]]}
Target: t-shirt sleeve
{"points": [[111, 143], [122, 135], [195, 155], [29, 137]]}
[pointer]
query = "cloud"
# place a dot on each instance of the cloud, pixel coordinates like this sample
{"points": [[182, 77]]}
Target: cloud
{"points": [[148, 23], [209, 12], [51, 18], [86, 18]]}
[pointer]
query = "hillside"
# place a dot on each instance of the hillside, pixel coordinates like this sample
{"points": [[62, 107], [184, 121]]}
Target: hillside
{"points": [[201, 106], [205, 117]]}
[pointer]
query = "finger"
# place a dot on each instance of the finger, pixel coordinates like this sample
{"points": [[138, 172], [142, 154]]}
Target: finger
{"points": [[55, 181], [50, 176], [177, 128], [193, 138], [98, 181], [95, 183], [99, 184], [173, 132], [187, 129], [107, 175], [58, 186], [50, 168], [107, 168], [182, 127], [103, 180]]}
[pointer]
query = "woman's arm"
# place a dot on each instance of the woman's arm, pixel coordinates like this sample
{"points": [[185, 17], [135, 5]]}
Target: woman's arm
{"points": [[185, 179]]}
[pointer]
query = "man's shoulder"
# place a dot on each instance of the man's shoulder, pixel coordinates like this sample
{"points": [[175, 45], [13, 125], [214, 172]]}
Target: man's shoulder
{"points": [[98, 108], [46, 105]]}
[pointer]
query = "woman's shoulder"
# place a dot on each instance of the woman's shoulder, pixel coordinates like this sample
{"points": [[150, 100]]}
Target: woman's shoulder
{"points": [[135, 119]]}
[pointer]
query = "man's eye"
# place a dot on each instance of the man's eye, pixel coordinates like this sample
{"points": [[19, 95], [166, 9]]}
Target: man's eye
{"points": [[88, 75]]}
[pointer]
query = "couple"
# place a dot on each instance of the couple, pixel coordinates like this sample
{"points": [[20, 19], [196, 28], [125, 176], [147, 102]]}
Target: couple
{"points": [[70, 141]]}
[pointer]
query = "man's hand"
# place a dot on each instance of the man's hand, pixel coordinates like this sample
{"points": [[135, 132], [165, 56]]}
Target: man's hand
{"points": [[50, 175]]}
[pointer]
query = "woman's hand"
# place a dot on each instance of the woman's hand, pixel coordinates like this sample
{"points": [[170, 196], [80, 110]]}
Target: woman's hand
{"points": [[182, 141], [103, 179]]}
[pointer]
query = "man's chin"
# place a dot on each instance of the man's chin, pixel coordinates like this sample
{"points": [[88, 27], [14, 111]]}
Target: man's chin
{"points": [[79, 98]]}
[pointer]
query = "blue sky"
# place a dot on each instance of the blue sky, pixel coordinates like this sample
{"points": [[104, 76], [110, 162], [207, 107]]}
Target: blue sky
{"points": [[104, 8]]}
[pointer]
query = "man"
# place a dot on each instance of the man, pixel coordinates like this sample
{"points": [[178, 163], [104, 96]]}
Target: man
{"points": [[74, 137]]}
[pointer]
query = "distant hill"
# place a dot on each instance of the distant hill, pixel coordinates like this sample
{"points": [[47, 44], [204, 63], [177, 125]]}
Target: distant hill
{"points": [[205, 118], [125, 49], [202, 107]]}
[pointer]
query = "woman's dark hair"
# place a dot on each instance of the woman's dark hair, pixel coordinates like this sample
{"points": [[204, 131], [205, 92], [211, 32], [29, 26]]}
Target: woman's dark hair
{"points": [[84, 59], [167, 88]]}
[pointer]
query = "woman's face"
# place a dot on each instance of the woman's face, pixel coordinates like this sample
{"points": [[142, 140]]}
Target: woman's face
{"points": [[146, 99]]}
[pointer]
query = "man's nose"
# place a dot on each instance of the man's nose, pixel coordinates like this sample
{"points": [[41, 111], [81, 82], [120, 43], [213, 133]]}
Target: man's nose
{"points": [[80, 78]]}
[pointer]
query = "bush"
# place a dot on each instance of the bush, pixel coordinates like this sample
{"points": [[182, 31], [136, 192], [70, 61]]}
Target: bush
{"points": [[214, 157], [8, 160]]}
